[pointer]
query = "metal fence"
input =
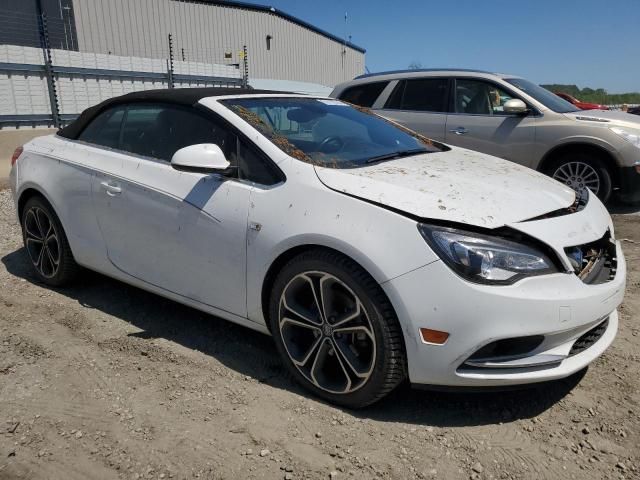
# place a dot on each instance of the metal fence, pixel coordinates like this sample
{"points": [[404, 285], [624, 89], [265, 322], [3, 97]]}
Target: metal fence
{"points": [[47, 79]]}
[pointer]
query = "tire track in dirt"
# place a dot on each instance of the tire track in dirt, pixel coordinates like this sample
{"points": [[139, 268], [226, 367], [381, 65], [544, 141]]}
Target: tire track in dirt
{"points": [[514, 452]]}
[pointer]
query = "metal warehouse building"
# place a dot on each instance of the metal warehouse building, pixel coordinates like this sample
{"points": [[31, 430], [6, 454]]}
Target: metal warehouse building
{"points": [[278, 45]]}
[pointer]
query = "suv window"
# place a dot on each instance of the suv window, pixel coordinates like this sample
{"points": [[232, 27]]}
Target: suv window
{"points": [[476, 97], [420, 94], [363, 95], [104, 130]]}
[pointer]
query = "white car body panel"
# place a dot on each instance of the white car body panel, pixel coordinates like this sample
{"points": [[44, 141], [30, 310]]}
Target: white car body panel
{"points": [[459, 186], [208, 242]]}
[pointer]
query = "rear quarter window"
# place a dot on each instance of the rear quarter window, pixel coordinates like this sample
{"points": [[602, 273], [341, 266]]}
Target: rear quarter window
{"points": [[104, 130], [363, 95], [420, 94]]}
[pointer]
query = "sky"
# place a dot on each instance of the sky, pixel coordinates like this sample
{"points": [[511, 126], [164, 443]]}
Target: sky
{"points": [[590, 43]]}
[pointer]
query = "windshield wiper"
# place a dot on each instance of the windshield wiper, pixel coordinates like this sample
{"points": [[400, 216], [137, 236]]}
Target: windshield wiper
{"points": [[393, 155]]}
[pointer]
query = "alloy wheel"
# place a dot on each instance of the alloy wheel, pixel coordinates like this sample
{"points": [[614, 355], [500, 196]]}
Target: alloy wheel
{"points": [[578, 175], [41, 241], [326, 332]]}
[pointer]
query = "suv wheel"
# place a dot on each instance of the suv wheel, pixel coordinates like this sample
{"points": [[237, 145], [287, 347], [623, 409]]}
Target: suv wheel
{"points": [[336, 330], [579, 171]]}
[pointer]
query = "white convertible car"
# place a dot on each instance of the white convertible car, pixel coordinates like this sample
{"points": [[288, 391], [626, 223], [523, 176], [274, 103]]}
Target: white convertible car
{"points": [[370, 253]]}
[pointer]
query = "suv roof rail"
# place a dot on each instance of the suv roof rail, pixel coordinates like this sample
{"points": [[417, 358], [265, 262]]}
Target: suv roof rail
{"points": [[412, 70]]}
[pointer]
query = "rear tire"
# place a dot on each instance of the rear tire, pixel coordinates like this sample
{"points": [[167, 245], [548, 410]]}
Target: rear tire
{"points": [[46, 244], [336, 330], [583, 170]]}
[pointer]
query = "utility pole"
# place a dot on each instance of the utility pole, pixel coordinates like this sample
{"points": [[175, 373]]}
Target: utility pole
{"points": [[344, 43]]}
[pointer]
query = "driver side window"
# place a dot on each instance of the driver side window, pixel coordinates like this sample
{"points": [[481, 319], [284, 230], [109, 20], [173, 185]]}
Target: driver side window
{"points": [[159, 131], [476, 97]]}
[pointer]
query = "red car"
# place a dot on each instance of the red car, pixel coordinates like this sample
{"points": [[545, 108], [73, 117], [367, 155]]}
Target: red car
{"points": [[581, 105]]}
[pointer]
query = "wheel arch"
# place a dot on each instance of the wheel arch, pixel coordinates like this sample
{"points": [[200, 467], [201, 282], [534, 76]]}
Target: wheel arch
{"points": [[558, 151], [30, 192]]}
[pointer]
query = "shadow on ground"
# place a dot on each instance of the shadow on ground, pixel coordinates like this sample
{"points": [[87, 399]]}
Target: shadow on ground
{"points": [[616, 207], [252, 353]]}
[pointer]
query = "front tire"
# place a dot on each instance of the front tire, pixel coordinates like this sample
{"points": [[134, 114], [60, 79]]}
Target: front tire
{"points": [[336, 330], [46, 244], [583, 170]]}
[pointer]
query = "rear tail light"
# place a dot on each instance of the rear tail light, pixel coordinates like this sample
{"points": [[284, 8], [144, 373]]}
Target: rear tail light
{"points": [[16, 154]]}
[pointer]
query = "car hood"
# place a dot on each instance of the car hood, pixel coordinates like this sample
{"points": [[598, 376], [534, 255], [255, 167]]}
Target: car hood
{"points": [[458, 185], [609, 118]]}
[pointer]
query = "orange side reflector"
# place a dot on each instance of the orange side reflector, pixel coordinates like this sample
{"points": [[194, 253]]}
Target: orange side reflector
{"points": [[433, 336]]}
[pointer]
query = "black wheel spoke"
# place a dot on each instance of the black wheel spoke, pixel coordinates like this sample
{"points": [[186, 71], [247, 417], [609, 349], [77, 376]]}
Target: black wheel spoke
{"points": [[40, 259], [300, 299], [349, 316], [359, 360], [32, 227], [53, 261], [307, 350], [324, 372], [315, 282], [326, 332], [41, 242]]}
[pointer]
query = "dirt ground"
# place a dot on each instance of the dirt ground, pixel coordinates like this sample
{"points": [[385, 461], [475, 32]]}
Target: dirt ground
{"points": [[105, 381]]}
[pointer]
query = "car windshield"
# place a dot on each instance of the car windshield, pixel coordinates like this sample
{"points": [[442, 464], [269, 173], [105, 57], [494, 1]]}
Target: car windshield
{"points": [[544, 96], [329, 133]]}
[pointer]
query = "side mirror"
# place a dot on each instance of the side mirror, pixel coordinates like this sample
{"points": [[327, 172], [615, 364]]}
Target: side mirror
{"points": [[201, 158], [515, 106]]}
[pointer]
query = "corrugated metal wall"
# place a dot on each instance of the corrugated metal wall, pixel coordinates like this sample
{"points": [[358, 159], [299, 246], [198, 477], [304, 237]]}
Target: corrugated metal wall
{"points": [[26, 93], [206, 32]]}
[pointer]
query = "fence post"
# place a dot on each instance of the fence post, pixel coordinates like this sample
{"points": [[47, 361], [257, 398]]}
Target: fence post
{"points": [[170, 63], [245, 68], [48, 70]]}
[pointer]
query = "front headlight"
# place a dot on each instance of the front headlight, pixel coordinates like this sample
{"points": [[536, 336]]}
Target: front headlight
{"points": [[629, 136], [484, 258]]}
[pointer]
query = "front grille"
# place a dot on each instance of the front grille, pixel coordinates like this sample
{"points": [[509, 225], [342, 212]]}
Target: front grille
{"points": [[589, 338], [594, 262]]}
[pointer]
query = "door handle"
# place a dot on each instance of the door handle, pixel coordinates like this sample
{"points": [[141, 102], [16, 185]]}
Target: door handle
{"points": [[459, 130], [111, 188]]}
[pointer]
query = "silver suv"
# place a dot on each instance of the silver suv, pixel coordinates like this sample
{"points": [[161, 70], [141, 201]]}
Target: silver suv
{"points": [[511, 118]]}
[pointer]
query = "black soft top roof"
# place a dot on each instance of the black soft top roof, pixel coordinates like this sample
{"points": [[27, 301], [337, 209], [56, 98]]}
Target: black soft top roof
{"points": [[178, 96]]}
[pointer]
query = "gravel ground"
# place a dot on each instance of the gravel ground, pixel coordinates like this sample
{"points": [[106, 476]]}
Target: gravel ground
{"points": [[105, 381]]}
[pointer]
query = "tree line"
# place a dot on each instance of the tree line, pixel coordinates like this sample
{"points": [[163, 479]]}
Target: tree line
{"points": [[599, 95]]}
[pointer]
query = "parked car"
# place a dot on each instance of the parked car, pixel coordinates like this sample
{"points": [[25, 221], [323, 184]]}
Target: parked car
{"points": [[581, 105], [634, 110], [349, 239], [511, 118]]}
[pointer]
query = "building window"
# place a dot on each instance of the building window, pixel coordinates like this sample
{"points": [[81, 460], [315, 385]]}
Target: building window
{"points": [[269, 37]]}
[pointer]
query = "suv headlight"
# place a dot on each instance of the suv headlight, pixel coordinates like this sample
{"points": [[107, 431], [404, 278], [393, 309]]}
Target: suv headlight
{"points": [[484, 258], [629, 136]]}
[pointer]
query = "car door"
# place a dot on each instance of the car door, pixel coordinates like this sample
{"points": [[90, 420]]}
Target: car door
{"points": [[93, 150], [420, 104], [478, 122], [183, 232]]}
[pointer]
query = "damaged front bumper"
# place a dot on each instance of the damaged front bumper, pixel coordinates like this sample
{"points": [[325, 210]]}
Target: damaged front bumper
{"points": [[538, 329]]}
